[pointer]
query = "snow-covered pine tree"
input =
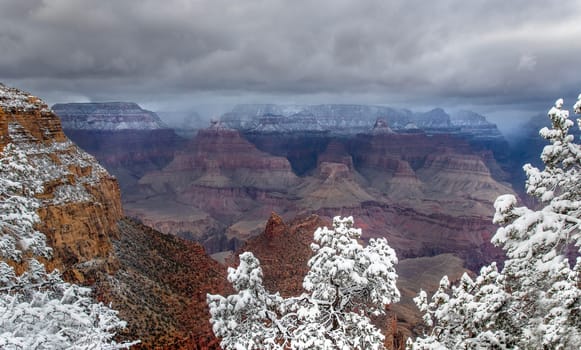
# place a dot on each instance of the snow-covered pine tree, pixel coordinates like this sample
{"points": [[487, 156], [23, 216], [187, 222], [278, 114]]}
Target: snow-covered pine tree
{"points": [[534, 302], [38, 310], [345, 285]]}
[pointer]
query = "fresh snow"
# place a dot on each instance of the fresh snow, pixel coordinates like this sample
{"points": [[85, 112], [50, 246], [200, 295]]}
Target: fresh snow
{"points": [[534, 302], [13, 100], [111, 116], [346, 284], [37, 308]]}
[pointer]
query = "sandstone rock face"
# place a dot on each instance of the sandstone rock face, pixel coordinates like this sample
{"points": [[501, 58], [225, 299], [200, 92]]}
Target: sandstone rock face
{"points": [[350, 120], [219, 174], [452, 173], [334, 183], [226, 151], [31, 114], [128, 140], [78, 201]]}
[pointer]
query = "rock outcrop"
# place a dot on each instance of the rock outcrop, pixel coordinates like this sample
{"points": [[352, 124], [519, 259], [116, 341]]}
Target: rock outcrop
{"points": [[107, 116], [283, 250], [221, 174], [350, 120], [78, 201]]}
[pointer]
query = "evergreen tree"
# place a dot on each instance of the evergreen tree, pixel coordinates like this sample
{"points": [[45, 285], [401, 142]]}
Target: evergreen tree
{"points": [[534, 302], [346, 283]]}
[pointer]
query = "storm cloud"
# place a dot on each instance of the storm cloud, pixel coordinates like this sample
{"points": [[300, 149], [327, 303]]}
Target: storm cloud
{"points": [[464, 52]]}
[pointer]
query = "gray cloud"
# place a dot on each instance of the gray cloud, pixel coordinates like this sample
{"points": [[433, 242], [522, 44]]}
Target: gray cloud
{"points": [[449, 51]]}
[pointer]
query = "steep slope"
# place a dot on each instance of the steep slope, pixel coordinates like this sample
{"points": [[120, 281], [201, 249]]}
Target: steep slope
{"points": [[450, 174], [334, 185], [283, 250], [429, 194], [157, 282], [161, 287], [128, 140]]}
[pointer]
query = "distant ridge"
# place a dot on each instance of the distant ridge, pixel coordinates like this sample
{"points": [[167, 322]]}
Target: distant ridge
{"points": [[350, 119], [107, 116]]}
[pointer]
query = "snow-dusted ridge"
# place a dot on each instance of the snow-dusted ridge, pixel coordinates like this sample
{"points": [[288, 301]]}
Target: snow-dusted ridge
{"points": [[111, 116], [38, 309], [13, 100], [353, 119]]}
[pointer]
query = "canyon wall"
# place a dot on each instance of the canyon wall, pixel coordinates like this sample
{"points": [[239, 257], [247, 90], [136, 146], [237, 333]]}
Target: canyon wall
{"points": [[157, 282]]}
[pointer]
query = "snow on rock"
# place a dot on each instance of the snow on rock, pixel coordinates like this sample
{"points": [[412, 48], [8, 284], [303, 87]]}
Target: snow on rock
{"points": [[50, 190], [43, 178], [346, 119], [12, 99], [27, 168], [107, 116]]}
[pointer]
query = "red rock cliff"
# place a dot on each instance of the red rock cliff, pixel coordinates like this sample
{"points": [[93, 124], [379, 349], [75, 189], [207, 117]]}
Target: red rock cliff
{"points": [[78, 201]]}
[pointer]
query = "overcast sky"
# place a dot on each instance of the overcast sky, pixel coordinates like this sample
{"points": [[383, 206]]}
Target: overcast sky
{"points": [[497, 55]]}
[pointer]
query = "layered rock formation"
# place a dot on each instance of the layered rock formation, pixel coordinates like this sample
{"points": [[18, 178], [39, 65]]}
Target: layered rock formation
{"points": [[341, 119], [78, 201], [128, 140], [218, 178], [157, 282], [219, 189], [426, 194], [353, 119], [349, 120], [107, 116]]}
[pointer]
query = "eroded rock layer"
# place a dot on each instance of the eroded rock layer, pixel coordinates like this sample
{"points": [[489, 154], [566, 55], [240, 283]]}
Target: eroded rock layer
{"points": [[429, 194], [78, 201]]}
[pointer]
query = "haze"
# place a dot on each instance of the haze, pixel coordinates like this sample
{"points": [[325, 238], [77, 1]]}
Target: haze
{"points": [[501, 58]]}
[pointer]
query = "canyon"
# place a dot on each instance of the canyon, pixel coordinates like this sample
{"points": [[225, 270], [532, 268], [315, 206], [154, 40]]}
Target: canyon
{"points": [[425, 182], [157, 282], [427, 192]]}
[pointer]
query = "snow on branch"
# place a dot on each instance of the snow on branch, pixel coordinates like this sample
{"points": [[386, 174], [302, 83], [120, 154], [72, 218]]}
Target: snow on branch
{"points": [[346, 284], [534, 302]]}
